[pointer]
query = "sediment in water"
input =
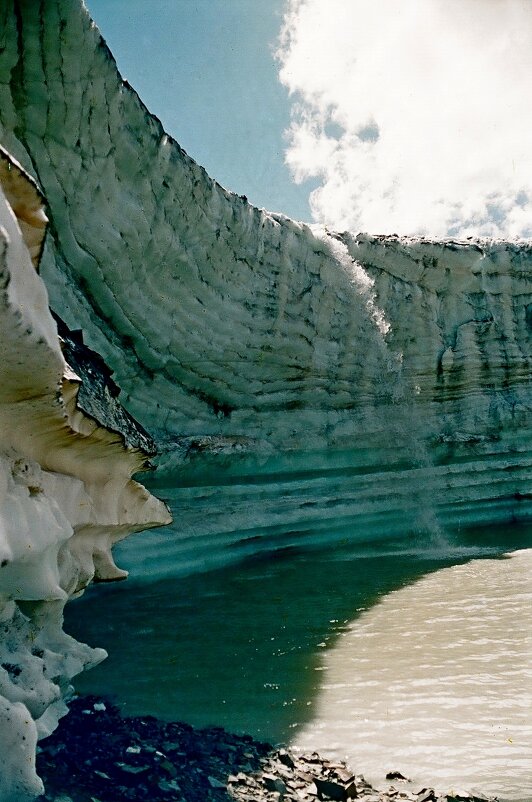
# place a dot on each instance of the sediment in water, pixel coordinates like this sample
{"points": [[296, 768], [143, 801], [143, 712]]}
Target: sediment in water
{"points": [[96, 755]]}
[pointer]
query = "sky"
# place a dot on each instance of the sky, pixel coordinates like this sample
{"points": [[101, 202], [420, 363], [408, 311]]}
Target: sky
{"points": [[206, 68], [409, 117]]}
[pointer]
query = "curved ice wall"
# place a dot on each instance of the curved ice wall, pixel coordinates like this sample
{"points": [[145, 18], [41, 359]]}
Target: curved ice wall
{"points": [[227, 322], [227, 327]]}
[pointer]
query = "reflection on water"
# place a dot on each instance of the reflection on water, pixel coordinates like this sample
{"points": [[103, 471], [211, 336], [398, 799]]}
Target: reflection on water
{"points": [[435, 681], [231, 614], [239, 646], [242, 646]]}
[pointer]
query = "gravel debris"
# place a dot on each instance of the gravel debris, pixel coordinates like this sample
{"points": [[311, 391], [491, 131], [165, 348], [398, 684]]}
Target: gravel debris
{"points": [[98, 755]]}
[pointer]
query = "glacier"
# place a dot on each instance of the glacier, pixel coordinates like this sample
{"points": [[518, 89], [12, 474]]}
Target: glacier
{"points": [[67, 455], [229, 330]]}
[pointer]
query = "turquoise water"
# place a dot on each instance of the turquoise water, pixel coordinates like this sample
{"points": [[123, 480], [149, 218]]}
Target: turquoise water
{"points": [[241, 645], [252, 608]]}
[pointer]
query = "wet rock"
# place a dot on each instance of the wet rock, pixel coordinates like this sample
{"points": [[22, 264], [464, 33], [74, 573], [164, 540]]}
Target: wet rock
{"points": [[272, 783], [330, 790], [132, 769], [168, 785], [426, 795], [105, 757], [168, 767], [214, 783], [285, 758]]}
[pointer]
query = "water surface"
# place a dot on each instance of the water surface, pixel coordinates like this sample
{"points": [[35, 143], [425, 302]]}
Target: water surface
{"points": [[435, 681], [234, 616]]}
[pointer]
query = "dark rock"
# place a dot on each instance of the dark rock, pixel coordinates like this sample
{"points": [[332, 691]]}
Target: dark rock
{"points": [[98, 394], [214, 783], [168, 767], [285, 758], [351, 791], [132, 769], [344, 775], [272, 783], [396, 775], [105, 757], [330, 790], [313, 758]]}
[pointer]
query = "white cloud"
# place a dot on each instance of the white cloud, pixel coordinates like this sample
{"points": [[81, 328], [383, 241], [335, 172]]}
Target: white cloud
{"points": [[415, 115]]}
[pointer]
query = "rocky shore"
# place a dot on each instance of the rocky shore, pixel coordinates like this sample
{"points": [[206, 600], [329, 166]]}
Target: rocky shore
{"points": [[97, 755]]}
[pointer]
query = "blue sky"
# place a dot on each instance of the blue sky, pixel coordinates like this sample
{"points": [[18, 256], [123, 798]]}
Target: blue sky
{"points": [[206, 69], [382, 116]]}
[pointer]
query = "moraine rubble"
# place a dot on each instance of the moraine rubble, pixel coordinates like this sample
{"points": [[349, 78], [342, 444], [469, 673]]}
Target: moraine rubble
{"points": [[225, 327], [96, 755]]}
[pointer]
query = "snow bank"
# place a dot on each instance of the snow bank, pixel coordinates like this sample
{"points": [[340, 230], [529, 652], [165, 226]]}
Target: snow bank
{"points": [[227, 322], [66, 495], [227, 328]]}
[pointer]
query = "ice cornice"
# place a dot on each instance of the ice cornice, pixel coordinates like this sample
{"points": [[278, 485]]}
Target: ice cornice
{"points": [[235, 321], [27, 202], [230, 331], [66, 494]]}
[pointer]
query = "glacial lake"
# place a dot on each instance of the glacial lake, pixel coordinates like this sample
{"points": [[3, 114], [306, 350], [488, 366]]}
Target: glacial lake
{"points": [[407, 653]]}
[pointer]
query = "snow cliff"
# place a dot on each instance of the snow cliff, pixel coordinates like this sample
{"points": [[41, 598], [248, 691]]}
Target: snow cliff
{"points": [[234, 319], [226, 327], [226, 321], [66, 495]]}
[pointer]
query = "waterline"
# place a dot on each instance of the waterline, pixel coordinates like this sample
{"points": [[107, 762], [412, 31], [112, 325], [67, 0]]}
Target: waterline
{"points": [[435, 681]]}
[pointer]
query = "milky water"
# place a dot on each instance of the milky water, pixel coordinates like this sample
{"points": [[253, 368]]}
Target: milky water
{"points": [[406, 653], [435, 681]]}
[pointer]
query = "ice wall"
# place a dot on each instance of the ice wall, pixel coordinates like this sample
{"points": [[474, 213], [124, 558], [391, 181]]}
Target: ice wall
{"points": [[229, 330], [216, 317], [66, 495], [239, 328]]}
